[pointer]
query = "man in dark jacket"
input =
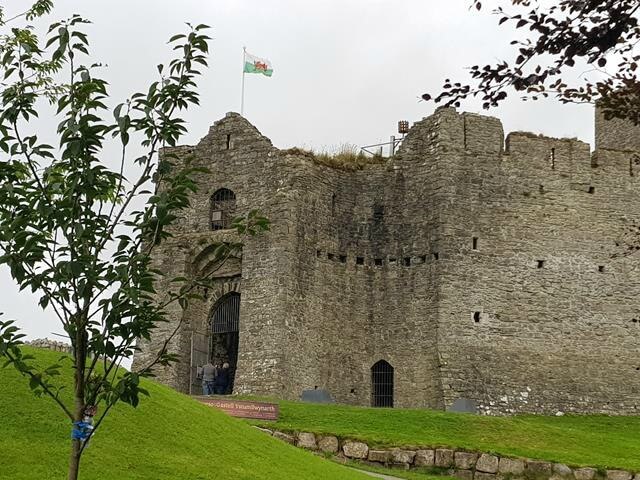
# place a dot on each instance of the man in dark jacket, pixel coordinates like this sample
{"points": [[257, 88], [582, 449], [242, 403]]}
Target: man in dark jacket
{"points": [[221, 382]]}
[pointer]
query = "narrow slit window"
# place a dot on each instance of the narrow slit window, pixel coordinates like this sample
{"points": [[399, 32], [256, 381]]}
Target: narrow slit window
{"points": [[475, 243], [228, 141], [552, 158], [476, 317], [318, 253], [540, 263], [436, 256], [407, 261]]}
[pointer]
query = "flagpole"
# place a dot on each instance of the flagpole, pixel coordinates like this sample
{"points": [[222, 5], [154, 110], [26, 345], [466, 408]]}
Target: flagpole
{"points": [[244, 59]]}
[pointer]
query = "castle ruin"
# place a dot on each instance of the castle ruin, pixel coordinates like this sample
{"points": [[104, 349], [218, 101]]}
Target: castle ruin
{"points": [[464, 267]]}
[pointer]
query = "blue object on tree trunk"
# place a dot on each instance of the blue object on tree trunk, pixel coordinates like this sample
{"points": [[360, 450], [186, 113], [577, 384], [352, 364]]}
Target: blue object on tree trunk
{"points": [[81, 430]]}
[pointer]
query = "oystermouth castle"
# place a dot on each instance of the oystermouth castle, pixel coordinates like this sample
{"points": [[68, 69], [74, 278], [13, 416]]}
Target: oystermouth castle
{"points": [[466, 266]]}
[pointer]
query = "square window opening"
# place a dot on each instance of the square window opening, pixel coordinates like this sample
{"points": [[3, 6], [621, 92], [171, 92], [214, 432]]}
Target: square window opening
{"points": [[377, 262], [407, 261], [359, 260], [343, 259], [540, 263]]}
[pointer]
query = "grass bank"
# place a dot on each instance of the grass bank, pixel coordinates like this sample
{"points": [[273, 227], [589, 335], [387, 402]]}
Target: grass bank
{"points": [[169, 436]]}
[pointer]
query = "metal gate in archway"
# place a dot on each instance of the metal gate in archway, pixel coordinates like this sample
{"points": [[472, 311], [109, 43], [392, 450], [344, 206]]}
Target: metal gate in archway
{"points": [[224, 334], [219, 344], [382, 384]]}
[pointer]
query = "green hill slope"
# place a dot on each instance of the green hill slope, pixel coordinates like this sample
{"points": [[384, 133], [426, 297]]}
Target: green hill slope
{"points": [[169, 436]]}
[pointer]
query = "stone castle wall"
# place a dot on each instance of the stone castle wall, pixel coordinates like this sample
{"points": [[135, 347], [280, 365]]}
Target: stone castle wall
{"points": [[538, 317], [477, 269]]}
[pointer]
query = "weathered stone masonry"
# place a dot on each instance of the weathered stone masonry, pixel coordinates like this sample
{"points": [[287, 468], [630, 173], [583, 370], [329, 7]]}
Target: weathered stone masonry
{"points": [[477, 268]]}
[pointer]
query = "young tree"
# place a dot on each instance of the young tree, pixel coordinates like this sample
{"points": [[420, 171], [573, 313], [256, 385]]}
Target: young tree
{"points": [[602, 34], [81, 234]]}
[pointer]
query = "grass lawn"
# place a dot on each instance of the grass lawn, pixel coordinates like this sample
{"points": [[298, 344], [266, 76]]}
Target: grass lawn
{"points": [[587, 440], [169, 436]]}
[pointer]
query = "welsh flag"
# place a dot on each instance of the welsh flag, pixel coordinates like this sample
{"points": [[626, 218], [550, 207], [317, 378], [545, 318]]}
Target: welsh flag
{"points": [[257, 65]]}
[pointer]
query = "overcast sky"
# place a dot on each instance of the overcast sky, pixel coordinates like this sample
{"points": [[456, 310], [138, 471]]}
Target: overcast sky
{"points": [[345, 71]]}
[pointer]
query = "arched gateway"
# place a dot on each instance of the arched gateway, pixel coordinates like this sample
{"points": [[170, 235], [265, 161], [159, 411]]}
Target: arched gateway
{"points": [[224, 333]]}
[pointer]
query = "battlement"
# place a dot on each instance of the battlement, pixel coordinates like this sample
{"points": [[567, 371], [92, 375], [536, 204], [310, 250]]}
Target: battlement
{"points": [[447, 130], [477, 133], [479, 137]]}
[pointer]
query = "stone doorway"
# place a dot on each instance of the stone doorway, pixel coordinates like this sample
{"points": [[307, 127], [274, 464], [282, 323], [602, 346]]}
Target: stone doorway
{"points": [[224, 337], [382, 384]]}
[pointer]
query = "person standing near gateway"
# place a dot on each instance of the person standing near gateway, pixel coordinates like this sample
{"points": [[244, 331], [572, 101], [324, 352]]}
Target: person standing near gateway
{"points": [[209, 374], [222, 380]]}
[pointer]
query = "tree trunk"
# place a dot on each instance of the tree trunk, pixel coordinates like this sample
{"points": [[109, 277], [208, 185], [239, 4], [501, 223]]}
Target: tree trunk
{"points": [[80, 358], [74, 460]]}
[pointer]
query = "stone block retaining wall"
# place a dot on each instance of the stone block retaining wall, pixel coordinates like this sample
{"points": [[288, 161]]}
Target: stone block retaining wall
{"points": [[50, 345], [462, 464]]}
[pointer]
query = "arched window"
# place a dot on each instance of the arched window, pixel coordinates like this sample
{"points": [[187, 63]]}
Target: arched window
{"points": [[223, 206], [381, 384]]}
